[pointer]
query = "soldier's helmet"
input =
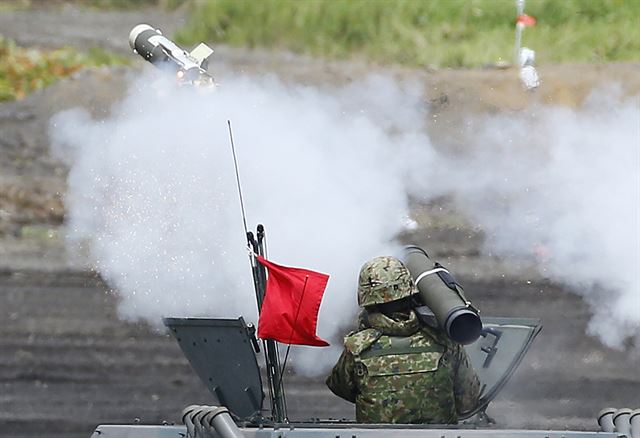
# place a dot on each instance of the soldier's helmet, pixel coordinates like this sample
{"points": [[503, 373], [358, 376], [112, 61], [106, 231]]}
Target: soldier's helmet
{"points": [[382, 280]]}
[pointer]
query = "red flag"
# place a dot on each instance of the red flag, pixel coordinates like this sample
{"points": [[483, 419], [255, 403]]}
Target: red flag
{"points": [[290, 308], [526, 20]]}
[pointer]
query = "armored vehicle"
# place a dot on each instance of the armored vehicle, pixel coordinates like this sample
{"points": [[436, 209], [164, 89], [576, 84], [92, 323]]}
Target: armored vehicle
{"points": [[223, 354]]}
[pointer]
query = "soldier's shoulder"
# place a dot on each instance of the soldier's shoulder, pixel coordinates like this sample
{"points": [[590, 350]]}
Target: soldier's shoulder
{"points": [[438, 337], [356, 342]]}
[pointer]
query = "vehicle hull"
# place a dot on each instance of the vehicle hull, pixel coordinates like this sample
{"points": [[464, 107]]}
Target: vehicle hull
{"points": [[331, 430]]}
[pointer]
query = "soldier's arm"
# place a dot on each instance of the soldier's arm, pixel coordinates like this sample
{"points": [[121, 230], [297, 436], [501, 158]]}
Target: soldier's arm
{"points": [[341, 381], [466, 385]]}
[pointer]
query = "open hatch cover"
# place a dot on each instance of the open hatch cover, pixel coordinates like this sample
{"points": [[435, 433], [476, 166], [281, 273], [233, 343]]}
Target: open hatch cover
{"points": [[498, 352], [221, 353]]}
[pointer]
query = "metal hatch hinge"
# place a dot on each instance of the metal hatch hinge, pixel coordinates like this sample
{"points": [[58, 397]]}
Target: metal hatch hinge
{"points": [[490, 346]]}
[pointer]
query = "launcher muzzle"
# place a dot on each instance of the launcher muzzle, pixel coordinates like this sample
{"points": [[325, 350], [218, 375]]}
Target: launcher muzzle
{"points": [[439, 291]]}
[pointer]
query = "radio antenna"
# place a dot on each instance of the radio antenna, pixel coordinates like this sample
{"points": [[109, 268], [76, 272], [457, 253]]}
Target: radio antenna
{"points": [[257, 247], [235, 164]]}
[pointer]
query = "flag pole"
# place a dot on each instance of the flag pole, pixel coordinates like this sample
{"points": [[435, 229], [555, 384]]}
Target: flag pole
{"points": [[274, 378], [279, 404], [293, 327]]}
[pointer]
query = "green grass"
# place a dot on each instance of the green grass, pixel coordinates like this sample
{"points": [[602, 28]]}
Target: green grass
{"points": [[130, 4], [25, 70], [39, 233], [13, 5], [439, 33]]}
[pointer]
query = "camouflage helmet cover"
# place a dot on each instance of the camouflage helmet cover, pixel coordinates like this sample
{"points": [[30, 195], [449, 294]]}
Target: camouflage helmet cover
{"points": [[382, 280]]}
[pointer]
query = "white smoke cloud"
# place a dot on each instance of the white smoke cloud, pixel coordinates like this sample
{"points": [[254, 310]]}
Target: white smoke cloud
{"points": [[329, 171], [152, 189], [563, 186]]}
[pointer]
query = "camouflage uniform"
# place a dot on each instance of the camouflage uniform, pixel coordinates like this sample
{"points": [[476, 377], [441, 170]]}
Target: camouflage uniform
{"points": [[398, 371]]}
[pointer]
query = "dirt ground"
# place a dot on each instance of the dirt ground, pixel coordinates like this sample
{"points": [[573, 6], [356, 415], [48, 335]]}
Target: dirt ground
{"points": [[67, 363]]}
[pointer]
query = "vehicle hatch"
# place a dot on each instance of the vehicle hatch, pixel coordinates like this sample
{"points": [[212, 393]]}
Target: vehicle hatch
{"points": [[498, 352], [221, 351]]}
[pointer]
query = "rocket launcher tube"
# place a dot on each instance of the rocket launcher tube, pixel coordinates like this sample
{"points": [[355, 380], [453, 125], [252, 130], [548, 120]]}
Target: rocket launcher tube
{"points": [[634, 420], [621, 420], [219, 421], [605, 419], [444, 296]]}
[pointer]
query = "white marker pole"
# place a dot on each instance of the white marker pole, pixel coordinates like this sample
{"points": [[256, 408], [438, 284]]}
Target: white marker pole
{"points": [[519, 29]]}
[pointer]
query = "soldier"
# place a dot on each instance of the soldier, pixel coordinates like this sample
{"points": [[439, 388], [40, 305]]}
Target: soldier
{"points": [[395, 369]]}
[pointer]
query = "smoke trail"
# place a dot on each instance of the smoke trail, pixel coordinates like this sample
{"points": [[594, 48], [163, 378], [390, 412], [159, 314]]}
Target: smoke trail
{"points": [[563, 186], [152, 190]]}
